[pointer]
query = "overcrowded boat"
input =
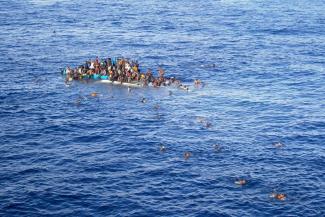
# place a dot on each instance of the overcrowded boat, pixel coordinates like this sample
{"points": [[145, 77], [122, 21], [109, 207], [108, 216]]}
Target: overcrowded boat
{"points": [[121, 71]]}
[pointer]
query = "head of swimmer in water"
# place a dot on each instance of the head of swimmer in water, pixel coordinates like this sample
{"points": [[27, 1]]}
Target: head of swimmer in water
{"points": [[278, 196], [241, 182], [162, 148], [187, 155]]}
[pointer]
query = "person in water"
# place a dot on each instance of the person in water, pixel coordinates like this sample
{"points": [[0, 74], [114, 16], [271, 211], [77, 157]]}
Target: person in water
{"points": [[187, 155], [162, 148], [278, 196], [241, 182]]}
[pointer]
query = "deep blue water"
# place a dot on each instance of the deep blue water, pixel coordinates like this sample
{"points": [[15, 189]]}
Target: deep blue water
{"points": [[101, 157]]}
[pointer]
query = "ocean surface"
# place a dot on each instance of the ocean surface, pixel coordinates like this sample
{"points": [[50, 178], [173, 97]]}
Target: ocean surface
{"points": [[65, 153]]}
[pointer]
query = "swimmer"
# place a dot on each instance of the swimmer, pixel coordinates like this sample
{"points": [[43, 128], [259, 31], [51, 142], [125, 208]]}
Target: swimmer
{"points": [[207, 125], [209, 65], [217, 147], [78, 102], [183, 87], [162, 148], [187, 155], [278, 196], [241, 182], [129, 89], [278, 145], [143, 100], [200, 119], [94, 94], [197, 82]]}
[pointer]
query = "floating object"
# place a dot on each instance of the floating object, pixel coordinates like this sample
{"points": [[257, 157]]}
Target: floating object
{"points": [[278, 196], [94, 94], [187, 155], [241, 182]]}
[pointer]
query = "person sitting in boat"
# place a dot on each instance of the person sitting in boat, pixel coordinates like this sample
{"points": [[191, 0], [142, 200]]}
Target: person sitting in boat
{"points": [[167, 82], [96, 62], [92, 65], [109, 62], [75, 74], [155, 83], [128, 75], [161, 80], [161, 72], [87, 65], [142, 78], [135, 68], [111, 75], [97, 69], [103, 71], [103, 63], [149, 76]]}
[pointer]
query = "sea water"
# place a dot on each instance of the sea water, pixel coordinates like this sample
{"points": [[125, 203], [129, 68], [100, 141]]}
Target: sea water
{"points": [[66, 153]]}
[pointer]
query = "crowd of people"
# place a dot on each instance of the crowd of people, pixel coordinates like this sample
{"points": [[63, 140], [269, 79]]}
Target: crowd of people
{"points": [[121, 70]]}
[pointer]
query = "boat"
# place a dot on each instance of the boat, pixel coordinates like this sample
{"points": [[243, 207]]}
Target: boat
{"points": [[80, 73], [133, 84]]}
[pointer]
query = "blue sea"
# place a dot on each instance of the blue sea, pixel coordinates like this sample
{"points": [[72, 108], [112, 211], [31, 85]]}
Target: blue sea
{"points": [[66, 153]]}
